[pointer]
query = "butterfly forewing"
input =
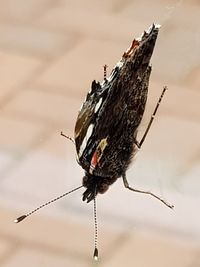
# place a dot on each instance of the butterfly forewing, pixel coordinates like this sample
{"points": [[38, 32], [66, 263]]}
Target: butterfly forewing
{"points": [[106, 127]]}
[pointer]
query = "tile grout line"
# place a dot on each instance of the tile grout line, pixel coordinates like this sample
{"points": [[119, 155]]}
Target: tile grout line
{"points": [[9, 253], [45, 135], [39, 246]]}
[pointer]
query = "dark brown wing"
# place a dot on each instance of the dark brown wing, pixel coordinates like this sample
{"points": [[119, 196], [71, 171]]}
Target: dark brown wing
{"points": [[113, 111], [119, 122]]}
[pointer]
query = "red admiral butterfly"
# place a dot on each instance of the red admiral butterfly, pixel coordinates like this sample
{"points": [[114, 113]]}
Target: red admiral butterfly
{"points": [[108, 121]]}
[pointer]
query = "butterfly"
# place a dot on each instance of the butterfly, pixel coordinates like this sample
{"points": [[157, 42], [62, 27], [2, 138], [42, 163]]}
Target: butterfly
{"points": [[107, 124]]}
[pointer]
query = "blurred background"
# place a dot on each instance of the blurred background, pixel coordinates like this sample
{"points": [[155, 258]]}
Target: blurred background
{"points": [[50, 51]]}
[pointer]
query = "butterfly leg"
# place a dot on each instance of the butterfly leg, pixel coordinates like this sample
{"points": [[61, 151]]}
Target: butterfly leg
{"points": [[139, 144], [105, 72], [68, 137], [126, 184]]}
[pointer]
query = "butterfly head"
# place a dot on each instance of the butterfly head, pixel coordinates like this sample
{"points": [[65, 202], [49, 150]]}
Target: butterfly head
{"points": [[94, 185]]}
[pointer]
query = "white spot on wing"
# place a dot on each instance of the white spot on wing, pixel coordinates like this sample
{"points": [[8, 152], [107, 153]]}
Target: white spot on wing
{"points": [[85, 140], [98, 105]]}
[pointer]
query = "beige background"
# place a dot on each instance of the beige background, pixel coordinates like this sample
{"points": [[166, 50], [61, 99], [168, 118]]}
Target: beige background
{"points": [[50, 51]]}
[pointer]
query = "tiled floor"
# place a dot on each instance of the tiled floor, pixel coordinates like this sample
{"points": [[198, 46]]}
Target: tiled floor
{"points": [[50, 51]]}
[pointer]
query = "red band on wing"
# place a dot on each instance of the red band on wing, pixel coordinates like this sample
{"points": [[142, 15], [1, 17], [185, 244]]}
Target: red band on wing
{"points": [[94, 160]]}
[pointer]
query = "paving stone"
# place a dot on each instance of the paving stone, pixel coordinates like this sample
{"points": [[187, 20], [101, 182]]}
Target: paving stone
{"points": [[193, 79], [5, 159], [5, 247], [17, 135], [196, 261], [35, 257], [34, 41], [59, 90], [17, 138], [189, 183], [147, 251], [43, 106], [93, 23], [58, 146], [22, 10], [15, 70], [193, 2]]}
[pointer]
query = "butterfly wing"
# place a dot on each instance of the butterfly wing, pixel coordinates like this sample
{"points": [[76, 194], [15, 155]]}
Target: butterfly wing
{"points": [[107, 123]]}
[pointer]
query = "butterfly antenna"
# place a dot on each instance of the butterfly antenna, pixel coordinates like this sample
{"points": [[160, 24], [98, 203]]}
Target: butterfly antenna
{"points": [[68, 137], [95, 255], [21, 218]]}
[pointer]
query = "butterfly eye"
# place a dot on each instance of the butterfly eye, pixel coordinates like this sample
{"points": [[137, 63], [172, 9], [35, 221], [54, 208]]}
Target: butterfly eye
{"points": [[103, 187]]}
